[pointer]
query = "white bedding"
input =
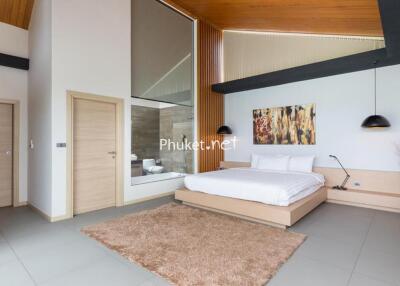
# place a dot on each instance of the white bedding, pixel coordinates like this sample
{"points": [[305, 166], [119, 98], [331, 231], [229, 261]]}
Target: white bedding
{"points": [[280, 188]]}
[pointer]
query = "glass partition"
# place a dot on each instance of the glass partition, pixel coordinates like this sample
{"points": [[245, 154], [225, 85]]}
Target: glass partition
{"points": [[162, 92]]}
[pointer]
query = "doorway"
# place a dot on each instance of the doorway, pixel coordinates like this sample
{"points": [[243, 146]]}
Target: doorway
{"points": [[9, 153], [95, 150], [6, 157]]}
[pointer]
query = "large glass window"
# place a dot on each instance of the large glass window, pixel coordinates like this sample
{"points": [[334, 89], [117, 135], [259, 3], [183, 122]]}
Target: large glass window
{"points": [[162, 92]]}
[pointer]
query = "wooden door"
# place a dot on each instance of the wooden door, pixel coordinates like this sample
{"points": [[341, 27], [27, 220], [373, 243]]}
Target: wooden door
{"points": [[94, 149], [6, 154]]}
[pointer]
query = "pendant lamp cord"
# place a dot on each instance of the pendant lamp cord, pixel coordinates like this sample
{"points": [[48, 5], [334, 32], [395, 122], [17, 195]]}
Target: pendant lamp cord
{"points": [[375, 87]]}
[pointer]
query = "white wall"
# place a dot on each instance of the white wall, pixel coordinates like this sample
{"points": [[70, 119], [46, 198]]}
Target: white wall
{"points": [[253, 53], [342, 103], [91, 53], [153, 189], [13, 86], [14, 40], [40, 168]]}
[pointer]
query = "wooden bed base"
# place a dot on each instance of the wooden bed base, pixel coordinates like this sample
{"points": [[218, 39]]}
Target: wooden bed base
{"points": [[267, 214]]}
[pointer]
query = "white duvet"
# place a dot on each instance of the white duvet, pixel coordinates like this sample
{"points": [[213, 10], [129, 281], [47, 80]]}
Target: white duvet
{"points": [[265, 186]]}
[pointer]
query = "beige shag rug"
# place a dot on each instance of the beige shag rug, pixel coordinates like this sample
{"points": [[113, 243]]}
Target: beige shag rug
{"points": [[188, 246]]}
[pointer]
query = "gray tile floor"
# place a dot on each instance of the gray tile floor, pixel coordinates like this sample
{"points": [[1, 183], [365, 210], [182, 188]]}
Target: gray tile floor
{"points": [[345, 246]]}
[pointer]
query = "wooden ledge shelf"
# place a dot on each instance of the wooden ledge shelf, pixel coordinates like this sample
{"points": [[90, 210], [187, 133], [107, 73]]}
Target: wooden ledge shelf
{"points": [[367, 199]]}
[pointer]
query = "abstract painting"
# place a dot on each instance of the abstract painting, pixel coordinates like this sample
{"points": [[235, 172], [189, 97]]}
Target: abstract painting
{"points": [[289, 125]]}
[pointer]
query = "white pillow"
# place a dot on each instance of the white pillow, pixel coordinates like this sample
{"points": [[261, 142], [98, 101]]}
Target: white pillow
{"points": [[275, 163], [301, 164]]}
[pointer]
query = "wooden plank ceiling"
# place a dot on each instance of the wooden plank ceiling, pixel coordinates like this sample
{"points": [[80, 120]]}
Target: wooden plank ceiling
{"points": [[16, 12], [339, 17]]}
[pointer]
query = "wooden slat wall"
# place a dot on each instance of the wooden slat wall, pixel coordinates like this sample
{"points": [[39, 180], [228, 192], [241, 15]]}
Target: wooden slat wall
{"points": [[210, 104]]}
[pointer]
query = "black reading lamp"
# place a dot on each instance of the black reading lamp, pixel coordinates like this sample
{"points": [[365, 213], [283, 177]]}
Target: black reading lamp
{"points": [[342, 186]]}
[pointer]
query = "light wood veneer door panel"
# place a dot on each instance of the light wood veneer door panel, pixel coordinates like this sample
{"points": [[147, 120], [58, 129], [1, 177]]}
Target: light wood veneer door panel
{"points": [[94, 129], [6, 157]]}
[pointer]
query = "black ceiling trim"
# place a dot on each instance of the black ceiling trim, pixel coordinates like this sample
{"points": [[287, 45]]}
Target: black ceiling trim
{"points": [[390, 15], [14, 62], [390, 55], [353, 63]]}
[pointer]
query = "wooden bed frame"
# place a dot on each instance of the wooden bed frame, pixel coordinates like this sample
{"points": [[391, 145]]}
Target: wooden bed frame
{"points": [[277, 216]]}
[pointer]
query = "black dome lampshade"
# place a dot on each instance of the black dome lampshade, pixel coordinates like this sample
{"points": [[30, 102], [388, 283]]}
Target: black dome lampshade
{"points": [[224, 130], [375, 121]]}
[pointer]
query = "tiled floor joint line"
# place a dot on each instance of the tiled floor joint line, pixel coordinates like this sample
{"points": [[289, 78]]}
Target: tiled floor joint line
{"points": [[18, 258], [361, 249]]}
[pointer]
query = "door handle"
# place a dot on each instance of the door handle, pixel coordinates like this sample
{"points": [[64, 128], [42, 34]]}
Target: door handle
{"points": [[112, 153], [8, 153]]}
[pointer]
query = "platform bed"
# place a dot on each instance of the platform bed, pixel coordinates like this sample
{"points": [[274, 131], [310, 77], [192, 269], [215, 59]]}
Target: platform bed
{"points": [[254, 211]]}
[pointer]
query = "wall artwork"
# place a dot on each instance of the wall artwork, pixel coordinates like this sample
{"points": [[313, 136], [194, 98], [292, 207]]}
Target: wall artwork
{"points": [[289, 125]]}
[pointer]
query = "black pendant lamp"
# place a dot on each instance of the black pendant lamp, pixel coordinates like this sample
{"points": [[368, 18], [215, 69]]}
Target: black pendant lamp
{"points": [[375, 120], [224, 130]]}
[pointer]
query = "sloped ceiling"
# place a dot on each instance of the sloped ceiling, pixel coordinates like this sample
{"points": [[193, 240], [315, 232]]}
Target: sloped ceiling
{"points": [[342, 17], [339, 17], [16, 12]]}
